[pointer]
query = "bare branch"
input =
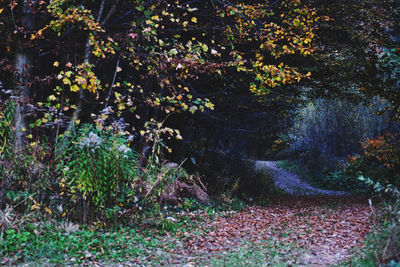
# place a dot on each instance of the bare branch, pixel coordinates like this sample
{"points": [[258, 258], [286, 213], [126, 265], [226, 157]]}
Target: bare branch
{"points": [[110, 13]]}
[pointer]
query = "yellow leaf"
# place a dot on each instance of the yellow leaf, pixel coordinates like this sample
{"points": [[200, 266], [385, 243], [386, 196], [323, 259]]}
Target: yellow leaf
{"points": [[1, 10], [56, 64], [66, 81], [209, 105], [35, 207], [48, 210], [194, 20], [74, 88]]}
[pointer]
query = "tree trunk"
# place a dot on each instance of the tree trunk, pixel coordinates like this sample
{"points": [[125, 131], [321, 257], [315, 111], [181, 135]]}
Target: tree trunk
{"points": [[23, 62]]}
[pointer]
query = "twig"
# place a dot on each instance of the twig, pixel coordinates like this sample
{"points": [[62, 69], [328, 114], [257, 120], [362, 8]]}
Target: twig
{"points": [[385, 249], [160, 177], [201, 183], [113, 81], [103, 3]]}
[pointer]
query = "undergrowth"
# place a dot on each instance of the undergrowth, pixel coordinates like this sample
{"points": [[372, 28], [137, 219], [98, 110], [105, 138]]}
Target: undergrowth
{"points": [[382, 245], [63, 242]]}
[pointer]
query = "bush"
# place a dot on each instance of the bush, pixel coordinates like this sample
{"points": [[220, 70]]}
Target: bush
{"points": [[380, 160], [6, 131], [95, 167], [341, 180], [6, 138]]}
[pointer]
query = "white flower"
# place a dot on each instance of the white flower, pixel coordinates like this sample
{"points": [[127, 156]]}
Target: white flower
{"points": [[123, 149], [172, 219], [93, 141]]}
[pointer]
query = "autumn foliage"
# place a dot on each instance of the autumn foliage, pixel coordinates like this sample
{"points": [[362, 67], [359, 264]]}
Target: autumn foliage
{"points": [[380, 160]]}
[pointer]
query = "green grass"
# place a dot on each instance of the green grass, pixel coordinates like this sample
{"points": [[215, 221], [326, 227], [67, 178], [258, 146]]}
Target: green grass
{"points": [[53, 243], [57, 246], [57, 242]]}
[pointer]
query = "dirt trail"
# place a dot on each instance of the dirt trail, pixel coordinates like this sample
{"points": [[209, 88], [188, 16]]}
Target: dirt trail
{"points": [[309, 227], [310, 230], [291, 183]]}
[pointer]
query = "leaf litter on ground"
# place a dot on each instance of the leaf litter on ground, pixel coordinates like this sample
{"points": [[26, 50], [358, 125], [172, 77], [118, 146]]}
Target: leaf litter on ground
{"points": [[288, 230], [323, 229]]}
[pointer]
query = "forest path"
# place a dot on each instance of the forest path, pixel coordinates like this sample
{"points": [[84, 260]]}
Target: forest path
{"points": [[292, 183], [308, 227], [289, 230]]}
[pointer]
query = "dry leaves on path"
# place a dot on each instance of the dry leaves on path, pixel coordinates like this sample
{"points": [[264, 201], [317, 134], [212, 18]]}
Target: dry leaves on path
{"points": [[328, 228]]}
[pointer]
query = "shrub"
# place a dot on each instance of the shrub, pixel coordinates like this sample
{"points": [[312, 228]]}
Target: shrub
{"points": [[6, 138], [96, 167], [341, 180], [380, 160], [6, 132]]}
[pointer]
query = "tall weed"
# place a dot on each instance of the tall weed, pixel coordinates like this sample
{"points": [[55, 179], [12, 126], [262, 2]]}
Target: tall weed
{"points": [[96, 168]]}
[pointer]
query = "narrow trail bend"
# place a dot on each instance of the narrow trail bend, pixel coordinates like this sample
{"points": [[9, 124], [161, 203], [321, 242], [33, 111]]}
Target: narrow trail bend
{"points": [[291, 183]]}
